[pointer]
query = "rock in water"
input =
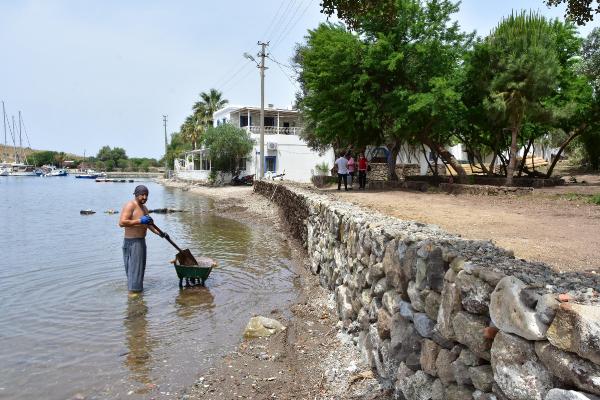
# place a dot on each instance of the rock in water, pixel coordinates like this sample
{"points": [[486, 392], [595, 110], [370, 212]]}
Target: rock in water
{"points": [[261, 327]]}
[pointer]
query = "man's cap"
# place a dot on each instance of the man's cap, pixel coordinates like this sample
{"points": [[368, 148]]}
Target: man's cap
{"points": [[140, 189]]}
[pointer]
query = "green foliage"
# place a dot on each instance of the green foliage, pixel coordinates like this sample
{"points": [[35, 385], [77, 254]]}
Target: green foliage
{"points": [[44, 157], [322, 168], [177, 146], [394, 81], [115, 154], [580, 11], [595, 199], [226, 145]]}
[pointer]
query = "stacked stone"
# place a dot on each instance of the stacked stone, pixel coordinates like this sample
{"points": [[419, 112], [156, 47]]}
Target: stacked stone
{"points": [[378, 172], [404, 170], [439, 317]]}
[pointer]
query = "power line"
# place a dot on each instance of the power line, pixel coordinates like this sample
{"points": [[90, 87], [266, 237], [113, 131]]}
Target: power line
{"points": [[285, 73], [291, 27], [282, 18], [292, 14], [272, 24]]}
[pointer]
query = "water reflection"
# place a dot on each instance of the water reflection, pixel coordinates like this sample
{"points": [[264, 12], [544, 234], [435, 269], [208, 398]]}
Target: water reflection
{"points": [[139, 342], [191, 300]]}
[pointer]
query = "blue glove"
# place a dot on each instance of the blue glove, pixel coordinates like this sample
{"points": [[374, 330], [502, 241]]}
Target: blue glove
{"points": [[146, 220]]}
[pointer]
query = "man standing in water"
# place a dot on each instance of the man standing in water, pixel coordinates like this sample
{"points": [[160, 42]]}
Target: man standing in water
{"points": [[136, 221]]}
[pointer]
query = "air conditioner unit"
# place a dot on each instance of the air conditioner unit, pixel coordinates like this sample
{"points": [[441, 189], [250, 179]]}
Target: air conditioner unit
{"points": [[271, 146]]}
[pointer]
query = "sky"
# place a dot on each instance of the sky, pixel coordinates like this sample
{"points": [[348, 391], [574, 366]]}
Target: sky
{"points": [[86, 74]]}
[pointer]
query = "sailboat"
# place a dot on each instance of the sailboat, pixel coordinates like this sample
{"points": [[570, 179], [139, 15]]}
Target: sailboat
{"points": [[18, 167]]}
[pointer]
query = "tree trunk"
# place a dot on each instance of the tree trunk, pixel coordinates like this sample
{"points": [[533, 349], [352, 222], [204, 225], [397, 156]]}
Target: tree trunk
{"points": [[574, 133], [524, 159], [446, 156], [426, 158], [512, 161], [492, 169], [395, 149], [481, 164]]}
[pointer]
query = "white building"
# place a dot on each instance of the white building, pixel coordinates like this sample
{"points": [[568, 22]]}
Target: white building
{"points": [[285, 151]]}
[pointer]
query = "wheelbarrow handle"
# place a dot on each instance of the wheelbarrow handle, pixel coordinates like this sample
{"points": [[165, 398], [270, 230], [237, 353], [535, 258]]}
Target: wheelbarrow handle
{"points": [[167, 237]]}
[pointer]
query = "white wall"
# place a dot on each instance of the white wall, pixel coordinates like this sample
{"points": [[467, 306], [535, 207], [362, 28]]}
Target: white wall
{"points": [[293, 156]]}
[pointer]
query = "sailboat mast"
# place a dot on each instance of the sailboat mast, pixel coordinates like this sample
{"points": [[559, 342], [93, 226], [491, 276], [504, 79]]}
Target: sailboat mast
{"points": [[14, 129], [23, 157], [5, 150]]}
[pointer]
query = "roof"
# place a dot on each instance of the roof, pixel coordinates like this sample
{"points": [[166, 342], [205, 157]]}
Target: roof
{"points": [[270, 110]]}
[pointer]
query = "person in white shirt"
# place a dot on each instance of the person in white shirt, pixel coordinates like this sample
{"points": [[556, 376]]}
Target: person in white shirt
{"points": [[342, 171]]}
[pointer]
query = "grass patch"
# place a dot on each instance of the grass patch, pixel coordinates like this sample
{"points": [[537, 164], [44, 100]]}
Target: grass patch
{"points": [[584, 198]]}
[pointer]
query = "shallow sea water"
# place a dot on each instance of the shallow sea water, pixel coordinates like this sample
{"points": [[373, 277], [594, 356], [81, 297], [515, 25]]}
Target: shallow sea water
{"points": [[67, 326]]}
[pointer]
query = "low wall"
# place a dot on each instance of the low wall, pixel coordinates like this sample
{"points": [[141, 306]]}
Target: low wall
{"points": [[440, 317]]}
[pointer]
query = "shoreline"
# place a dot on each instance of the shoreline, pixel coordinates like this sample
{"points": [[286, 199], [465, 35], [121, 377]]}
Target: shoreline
{"points": [[312, 357]]}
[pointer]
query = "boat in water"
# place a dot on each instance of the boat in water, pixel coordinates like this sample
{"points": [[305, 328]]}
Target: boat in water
{"points": [[19, 169], [90, 174], [51, 170]]}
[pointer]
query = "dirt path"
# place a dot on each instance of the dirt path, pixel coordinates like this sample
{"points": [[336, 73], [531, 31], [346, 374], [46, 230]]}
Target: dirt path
{"points": [[544, 226]]}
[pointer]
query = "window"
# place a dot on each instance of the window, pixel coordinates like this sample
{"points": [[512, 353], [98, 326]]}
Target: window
{"points": [[244, 120], [205, 164], [271, 163], [241, 164], [269, 121]]}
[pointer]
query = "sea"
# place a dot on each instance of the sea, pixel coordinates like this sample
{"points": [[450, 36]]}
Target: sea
{"points": [[67, 326]]}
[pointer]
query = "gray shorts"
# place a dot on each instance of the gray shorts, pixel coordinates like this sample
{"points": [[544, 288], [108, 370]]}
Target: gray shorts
{"points": [[134, 256]]}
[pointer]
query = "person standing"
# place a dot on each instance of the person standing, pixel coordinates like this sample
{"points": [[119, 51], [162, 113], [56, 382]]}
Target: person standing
{"points": [[136, 221], [350, 168], [362, 171], [342, 171]]}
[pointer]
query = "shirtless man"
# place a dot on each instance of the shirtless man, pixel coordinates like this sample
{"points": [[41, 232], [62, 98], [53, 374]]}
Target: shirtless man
{"points": [[136, 221]]}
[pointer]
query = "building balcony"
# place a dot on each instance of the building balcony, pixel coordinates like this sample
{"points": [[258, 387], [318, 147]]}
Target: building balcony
{"points": [[275, 130]]}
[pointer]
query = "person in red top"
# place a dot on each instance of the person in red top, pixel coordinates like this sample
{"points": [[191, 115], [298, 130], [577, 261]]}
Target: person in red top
{"points": [[362, 171]]}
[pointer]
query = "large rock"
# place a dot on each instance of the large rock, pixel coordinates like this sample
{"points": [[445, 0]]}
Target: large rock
{"points": [[571, 369], [475, 293], [443, 364], [380, 287], [482, 377], [424, 325], [560, 394], [429, 353], [391, 264], [576, 328], [449, 306], [468, 329], [432, 304], [260, 326], [405, 345], [511, 314], [344, 303], [415, 296], [436, 268], [517, 370], [416, 387], [384, 322], [458, 392], [391, 301]]}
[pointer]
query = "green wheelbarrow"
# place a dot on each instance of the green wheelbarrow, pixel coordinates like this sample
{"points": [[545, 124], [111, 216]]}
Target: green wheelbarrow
{"points": [[194, 274]]}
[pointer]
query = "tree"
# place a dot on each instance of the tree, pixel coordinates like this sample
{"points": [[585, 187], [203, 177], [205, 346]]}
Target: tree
{"points": [[44, 157], [397, 76], [209, 103], [226, 145], [579, 11], [177, 145], [524, 69]]}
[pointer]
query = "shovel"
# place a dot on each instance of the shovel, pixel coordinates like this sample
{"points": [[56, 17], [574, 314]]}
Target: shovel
{"points": [[184, 257]]}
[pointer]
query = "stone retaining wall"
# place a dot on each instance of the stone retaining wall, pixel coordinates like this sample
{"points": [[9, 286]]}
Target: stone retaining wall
{"points": [[440, 317]]}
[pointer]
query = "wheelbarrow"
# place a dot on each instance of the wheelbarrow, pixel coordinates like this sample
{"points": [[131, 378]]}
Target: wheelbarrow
{"points": [[187, 266], [194, 274]]}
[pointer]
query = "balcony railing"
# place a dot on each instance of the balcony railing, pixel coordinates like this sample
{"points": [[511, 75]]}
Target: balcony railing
{"points": [[275, 130]]}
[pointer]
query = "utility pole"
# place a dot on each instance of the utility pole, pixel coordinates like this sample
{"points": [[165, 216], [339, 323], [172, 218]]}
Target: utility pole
{"points": [[166, 146], [262, 68]]}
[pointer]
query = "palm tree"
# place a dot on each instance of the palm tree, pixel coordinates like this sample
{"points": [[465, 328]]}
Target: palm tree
{"points": [[209, 103], [192, 130]]}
